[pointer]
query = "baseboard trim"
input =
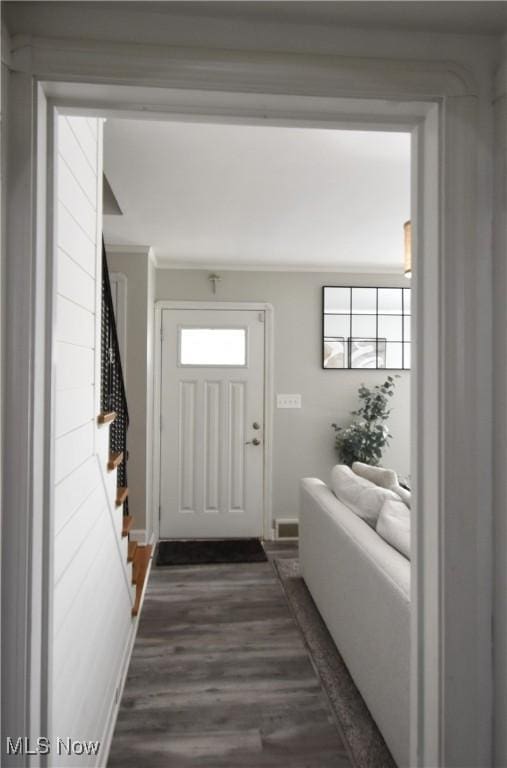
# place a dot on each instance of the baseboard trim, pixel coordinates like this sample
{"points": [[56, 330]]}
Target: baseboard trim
{"points": [[145, 585]]}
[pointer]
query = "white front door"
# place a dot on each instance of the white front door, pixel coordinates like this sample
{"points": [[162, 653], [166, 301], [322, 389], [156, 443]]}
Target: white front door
{"points": [[212, 412]]}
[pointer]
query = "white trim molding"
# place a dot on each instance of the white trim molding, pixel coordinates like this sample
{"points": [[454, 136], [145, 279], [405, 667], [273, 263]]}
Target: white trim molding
{"points": [[438, 102], [25, 540], [5, 46], [142, 250], [230, 266], [465, 544], [500, 420], [232, 70]]}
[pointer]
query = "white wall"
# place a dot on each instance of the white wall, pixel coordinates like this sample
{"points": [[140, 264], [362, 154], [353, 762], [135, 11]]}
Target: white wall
{"points": [[92, 595], [303, 439]]}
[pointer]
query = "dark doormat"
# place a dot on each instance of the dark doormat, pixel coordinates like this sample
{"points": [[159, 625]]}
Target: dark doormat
{"points": [[206, 551]]}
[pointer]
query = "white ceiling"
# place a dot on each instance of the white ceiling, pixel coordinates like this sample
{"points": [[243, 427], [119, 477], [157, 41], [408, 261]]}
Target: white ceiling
{"points": [[256, 196]]}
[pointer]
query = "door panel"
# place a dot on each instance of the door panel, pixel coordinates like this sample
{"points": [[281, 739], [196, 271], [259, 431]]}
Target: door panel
{"points": [[236, 442], [211, 470], [212, 420], [187, 441]]}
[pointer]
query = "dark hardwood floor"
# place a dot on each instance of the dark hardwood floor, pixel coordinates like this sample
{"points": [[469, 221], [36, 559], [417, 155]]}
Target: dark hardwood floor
{"points": [[220, 677]]}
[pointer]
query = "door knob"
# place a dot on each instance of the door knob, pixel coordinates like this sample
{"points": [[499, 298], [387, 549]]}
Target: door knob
{"points": [[256, 425], [255, 441]]}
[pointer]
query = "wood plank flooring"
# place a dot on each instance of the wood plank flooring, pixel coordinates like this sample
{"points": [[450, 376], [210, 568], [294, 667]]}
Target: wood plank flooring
{"points": [[220, 678]]}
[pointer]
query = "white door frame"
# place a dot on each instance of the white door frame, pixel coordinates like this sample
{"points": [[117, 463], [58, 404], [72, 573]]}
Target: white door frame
{"points": [[437, 101], [267, 491]]}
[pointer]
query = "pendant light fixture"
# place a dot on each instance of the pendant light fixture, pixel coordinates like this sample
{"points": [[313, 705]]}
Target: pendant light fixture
{"points": [[407, 230]]}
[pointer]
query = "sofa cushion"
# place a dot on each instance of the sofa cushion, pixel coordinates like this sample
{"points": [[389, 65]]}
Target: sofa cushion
{"points": [[393, 525], [404, 495], [386, 478], [364, 498]]}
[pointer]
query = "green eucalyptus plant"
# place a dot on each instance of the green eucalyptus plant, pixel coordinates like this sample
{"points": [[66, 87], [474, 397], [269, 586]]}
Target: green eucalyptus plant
{"points": [[365, 439]]}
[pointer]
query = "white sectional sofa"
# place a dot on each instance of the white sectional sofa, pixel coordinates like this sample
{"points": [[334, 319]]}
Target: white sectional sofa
{"points": [[361, 586]]}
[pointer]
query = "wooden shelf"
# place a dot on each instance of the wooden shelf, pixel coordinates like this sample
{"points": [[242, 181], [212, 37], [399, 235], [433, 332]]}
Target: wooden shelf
{"points": [[135, 569], [132, 551], [107, 417], [127, 525], [115, 459], [141, 562], [121, 495]]}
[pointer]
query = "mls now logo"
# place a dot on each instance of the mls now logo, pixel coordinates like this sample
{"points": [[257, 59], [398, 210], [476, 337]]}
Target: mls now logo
{"points": [[71, 747], [25, 746], [43, 746]]}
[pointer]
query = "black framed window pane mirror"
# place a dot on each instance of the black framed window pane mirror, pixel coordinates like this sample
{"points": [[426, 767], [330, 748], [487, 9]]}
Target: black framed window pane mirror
{"points": [[338, 301], [390, 301], [337, 326], [366, 353], [406, 301], [335, 353], [390, 327], [366, 327], [407, 322]]}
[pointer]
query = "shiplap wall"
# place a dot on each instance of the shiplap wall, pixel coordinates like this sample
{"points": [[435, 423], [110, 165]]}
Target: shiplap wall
{"points": [[92, 596]]}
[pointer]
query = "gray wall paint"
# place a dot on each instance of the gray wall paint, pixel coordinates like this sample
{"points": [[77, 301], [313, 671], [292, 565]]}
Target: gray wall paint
{"points": [[303, 439], [135, 266]]}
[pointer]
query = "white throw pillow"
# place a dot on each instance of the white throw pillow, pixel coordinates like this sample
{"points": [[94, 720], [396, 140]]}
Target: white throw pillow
{"points": [[386, 478], [404, 495], [364, 498], [394, 525]]}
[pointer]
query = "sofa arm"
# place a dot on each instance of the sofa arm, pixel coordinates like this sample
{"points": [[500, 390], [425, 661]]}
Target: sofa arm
{"points": [[361, 586]]}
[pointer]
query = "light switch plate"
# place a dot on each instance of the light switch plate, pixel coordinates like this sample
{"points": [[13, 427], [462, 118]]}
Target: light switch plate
{"points": [[288, 401]]}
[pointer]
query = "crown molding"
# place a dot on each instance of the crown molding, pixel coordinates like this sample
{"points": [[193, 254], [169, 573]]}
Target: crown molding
{"points": [[352, 269], [141, 250], [153, 257], [232, 70], [500, 81], [6, 46]]}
